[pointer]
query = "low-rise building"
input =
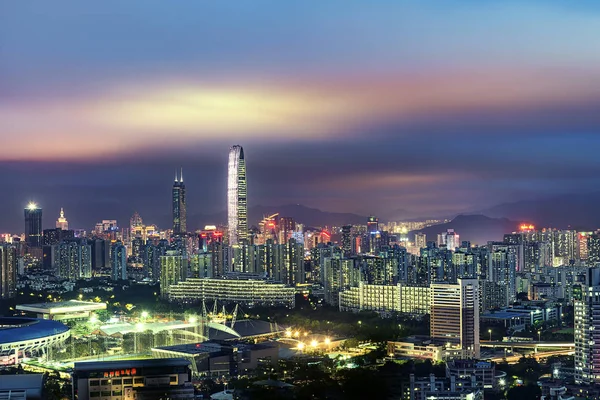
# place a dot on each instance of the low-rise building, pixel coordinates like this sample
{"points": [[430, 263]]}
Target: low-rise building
{"points": [[216, 358], [432, 388], [63, 310], [424, 348], [133, 379]]}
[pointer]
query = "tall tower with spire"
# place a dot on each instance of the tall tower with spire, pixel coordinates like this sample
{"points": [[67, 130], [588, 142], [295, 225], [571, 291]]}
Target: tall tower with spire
{"points": [[179, 205], [237, 202], [62, 222]]}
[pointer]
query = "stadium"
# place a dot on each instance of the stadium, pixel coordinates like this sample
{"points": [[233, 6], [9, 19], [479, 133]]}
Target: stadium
{"points": [[28, 337]]}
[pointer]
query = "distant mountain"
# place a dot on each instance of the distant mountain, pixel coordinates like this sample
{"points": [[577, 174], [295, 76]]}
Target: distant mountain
{"points": [[474, 228], [302, 214], [577, 211]]}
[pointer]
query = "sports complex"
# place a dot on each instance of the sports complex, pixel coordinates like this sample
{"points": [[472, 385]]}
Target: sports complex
{"points": [[29, 337]]}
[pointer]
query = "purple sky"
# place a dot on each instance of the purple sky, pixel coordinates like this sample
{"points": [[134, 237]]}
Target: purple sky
{"points": [[346, 106]]}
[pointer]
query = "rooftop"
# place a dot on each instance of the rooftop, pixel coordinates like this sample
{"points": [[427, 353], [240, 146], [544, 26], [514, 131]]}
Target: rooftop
{"points": [[107, 365], [248, 328], [60, 307], [19, 329]]}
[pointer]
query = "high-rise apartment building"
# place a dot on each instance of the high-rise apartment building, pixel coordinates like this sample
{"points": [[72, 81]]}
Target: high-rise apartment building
{"points": [[8, 271], [450, 239], [347, 240], [179, 206], [74, 259], [587, 330], [420, 240], [118, 261], [61, 222], [455, 314], [33, 225], [237, 202], [173, 269]]}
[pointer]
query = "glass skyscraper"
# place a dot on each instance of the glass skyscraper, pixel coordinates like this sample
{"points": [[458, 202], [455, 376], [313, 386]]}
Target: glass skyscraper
{"points": [[237, 203], [33, 225], [179, 206]]}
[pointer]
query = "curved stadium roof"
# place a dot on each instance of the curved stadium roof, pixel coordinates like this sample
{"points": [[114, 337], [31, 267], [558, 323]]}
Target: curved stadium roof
{"points": [[20, 329]]}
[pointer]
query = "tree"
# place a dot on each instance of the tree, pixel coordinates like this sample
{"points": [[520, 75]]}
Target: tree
{"points": [[531, 391]]}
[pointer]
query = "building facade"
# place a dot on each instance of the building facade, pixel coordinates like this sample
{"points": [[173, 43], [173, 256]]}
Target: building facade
{"points": [[242, 291]]}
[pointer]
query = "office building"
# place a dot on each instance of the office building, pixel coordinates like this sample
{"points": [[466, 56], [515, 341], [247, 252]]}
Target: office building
{"points": [[372, 224], [133, 379], [33, 225], [179, 206], [237, 202], [8, 271], [587, 330], [118, 261], [455, 314], [61, 222]]}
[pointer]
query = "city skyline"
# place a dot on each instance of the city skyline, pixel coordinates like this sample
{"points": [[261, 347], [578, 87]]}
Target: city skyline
{"points": [[357, 113]]}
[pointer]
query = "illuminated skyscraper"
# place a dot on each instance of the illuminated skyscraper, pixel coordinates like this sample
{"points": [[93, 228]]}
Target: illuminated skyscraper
{"points": [[179, 206], [372, 224], [587, 330], [33, 225], [61, 222], [455, 314], [237, 203]]}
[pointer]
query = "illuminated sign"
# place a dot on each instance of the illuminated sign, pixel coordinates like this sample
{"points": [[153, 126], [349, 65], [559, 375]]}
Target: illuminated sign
{"points": [[118, 373], [527, 227]]}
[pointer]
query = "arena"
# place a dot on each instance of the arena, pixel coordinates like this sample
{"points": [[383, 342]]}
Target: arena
{"points": [[28, 337]]}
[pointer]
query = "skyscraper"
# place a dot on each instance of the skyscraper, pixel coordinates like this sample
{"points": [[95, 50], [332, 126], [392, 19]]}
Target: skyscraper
{"points": [[61, 222], [455, 314], [118, 261], [179, 206], [372, 224], [237, 203], [33, 225], [587, 330], [8, 271]]}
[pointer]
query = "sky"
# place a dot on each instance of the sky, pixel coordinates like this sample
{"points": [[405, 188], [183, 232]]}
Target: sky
{"points": [[431, 107]]}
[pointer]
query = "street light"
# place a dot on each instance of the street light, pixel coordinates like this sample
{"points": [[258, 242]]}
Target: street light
{"points": [[314, 343], [145, 314], [300, 346], [490, 332], [539, 336], [327, 341]]}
